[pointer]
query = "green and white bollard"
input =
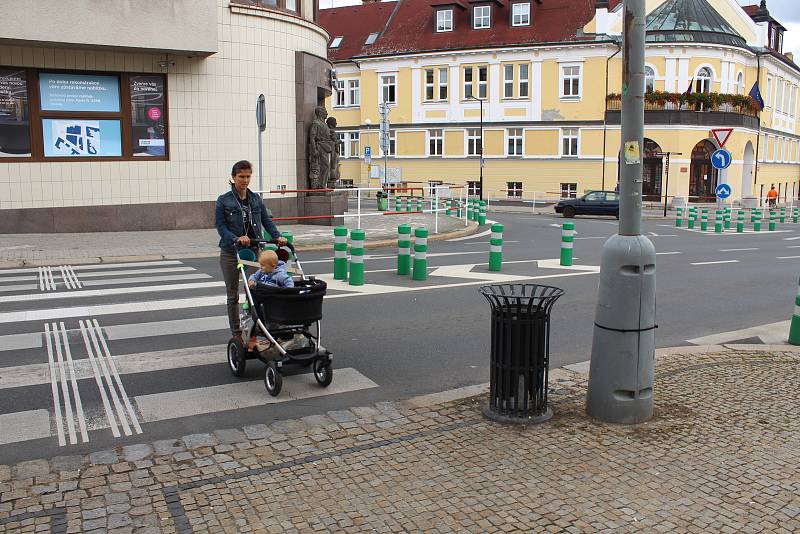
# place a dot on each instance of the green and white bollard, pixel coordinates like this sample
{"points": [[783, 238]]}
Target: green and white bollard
{"points": [[419, 204], [482, 212], [783, 215], [704, 221], [757, 222], [405, 204], [404, 249], [420, 254], [449, 204], [679, 218], [692, 219], [726, 218], [753, 214], [567, 240], [794, 329], [772, 225], [357, 257], [794, 215], [496, 248], [398, 203], [340, 253], [718, 221], [740, 222]]}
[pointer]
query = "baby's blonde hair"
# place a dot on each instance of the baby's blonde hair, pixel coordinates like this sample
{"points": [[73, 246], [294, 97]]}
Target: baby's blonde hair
{"points": [[270, 258]]}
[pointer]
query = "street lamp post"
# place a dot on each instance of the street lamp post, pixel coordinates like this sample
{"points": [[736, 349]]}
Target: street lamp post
{"points": [[480, 100]]}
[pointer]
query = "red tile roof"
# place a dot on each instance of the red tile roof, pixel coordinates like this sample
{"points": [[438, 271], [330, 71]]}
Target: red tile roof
{"points": [[411, 28], [354, 23], [751, 10]]}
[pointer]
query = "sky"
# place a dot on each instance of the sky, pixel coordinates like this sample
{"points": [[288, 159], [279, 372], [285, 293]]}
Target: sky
{"points": [[785, 11]]}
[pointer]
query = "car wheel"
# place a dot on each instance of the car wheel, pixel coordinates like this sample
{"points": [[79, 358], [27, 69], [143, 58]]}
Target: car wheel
{"points": [[569, 212]]}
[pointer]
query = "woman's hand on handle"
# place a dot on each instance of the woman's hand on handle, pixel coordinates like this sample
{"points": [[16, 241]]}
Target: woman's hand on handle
{"points": [[244, 241], [281, 241]]}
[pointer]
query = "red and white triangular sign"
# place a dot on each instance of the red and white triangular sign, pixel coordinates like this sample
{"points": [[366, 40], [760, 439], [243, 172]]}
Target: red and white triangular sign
{"points": [[722, 135]]}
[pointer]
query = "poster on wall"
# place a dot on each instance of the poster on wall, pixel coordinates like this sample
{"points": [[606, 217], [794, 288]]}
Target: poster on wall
{"points": [[78, 92], [147, 114], [81, 138], [15, 131]]}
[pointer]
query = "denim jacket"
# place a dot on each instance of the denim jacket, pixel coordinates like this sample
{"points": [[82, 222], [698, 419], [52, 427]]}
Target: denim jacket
{"points": [[229, 219]]}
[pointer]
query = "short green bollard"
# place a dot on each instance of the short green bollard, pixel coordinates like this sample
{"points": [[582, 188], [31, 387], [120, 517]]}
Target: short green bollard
{"points": [[482, 212], [704, 221], [679, 218], [404, 249], [718, 221], [357, 257], [567, 241], [740, 222], [772, 225], [420, 254], [794, 329], [783, 215], [340, 253], [496, 248]]}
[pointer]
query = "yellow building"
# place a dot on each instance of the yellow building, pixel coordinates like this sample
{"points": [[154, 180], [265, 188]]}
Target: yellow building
{"points": [[534, 86]]}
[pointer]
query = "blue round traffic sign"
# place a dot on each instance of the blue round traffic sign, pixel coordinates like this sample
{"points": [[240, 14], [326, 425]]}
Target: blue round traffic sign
{"points": [[721, 159], [724, 191]]}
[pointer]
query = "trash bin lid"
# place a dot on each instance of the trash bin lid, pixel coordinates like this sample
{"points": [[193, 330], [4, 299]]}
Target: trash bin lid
{"points": [[521, 297]]}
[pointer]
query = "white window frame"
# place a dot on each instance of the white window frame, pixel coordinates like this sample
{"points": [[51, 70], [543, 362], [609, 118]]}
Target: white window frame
{"points": [[508, 83], [481, 17], [515, 142], [513, 191], [354, 92], [341, 144], [469, 85], [340, 95], [354, 140], [572, 77], [439, 77], [521, 14], [569, 190], [740, 83], [473, 140], [371, 38], [523, 81], [336, 42], [704, 84], [444, 20], [473, 188], [768, 103], [392, 144], [649, 80], [483, 85], [436, 142], [385, 86], [574, 142]]}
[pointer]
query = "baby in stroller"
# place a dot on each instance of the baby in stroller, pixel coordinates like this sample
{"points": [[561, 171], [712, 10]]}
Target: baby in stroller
{"points": [[272, 271]]}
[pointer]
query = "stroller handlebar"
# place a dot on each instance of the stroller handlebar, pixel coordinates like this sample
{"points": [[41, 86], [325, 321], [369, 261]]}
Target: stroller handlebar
{"points": [[256, 242]]}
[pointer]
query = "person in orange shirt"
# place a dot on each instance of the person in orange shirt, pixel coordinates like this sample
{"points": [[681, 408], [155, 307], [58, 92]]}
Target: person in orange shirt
{"points": [[772, 197]]}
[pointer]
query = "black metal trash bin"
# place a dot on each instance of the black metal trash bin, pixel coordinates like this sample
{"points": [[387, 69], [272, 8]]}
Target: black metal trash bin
{"points": [[520, 351]]}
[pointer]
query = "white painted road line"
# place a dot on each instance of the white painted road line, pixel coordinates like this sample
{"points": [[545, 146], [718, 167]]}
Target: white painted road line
{"points": [[18, 287], [24, 426], [787, 257], [791, 238], [73, 380], [145, 279], [189, 402], [714, 262], [55, 388], [793, 246], [737, 249], [69, 415], [98, 379], [31, 340], [94, 266], [108, 292], [166, 328], [130, 272], [667, 253]]}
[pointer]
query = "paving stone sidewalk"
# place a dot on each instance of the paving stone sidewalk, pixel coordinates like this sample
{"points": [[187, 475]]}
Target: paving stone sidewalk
{"points": [[18, 250], [720, 455]]}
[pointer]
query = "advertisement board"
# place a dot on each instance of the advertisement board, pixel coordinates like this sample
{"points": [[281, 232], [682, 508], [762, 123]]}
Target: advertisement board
{"points": [[78, 92], [147, 114], [81, 138], [15, 131]]}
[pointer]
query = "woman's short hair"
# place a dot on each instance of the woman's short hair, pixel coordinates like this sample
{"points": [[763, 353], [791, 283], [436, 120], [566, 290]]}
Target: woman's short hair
{"points": [[243, 165]]}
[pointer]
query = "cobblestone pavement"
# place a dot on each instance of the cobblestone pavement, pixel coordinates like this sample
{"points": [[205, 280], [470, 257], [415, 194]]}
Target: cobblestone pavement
{"points": [[720, 455], [97, 247]]}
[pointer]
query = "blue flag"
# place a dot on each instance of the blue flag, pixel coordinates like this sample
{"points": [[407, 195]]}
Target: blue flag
{"points": [[755, 92]]}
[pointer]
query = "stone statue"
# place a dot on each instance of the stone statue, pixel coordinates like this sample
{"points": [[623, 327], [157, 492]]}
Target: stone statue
{"points": [[320, 147], [334, 174]]}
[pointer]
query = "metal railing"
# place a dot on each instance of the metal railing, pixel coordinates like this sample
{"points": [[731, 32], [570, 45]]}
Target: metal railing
{"points": [[614, 103]]}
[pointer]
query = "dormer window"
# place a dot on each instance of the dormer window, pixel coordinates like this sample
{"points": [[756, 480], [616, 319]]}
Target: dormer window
{"points": [[336, 42], [481, 17], [521, 14], [371, 38], [444, 20]]}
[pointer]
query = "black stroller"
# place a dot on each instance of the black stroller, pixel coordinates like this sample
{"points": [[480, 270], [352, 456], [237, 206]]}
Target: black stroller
{"points": [[281, 319]]}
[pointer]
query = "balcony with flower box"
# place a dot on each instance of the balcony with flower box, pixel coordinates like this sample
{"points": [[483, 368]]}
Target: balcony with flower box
{"points": [[691, 109]]}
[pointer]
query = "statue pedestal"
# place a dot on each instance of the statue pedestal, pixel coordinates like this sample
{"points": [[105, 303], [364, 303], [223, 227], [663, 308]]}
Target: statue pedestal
{"points": [[334, 203]]}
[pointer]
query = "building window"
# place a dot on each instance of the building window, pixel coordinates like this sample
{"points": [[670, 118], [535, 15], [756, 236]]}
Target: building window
{"points": [[435, 142], [389, 88], [780, 42], [392, 145], [281, 5], [473, 189], [514, 142], [339, 98], [569, 190], [649, 80], [521, 14], [354, 149], [468, 82], [473, 75], [514, 189], [354, 90], [569, 142], [436, 84], [483, 76], [571, 81], [371, 38], [481, 17], [508, 81], [336, 42], [290, 5], [444, 20], [473, 142], [740, 83], [340, 144], [346, 182], [703, 80], [769, 93], [523, 80]]}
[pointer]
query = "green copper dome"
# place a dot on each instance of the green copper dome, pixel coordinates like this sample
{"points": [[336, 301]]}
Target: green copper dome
{"points": [[690, 21]]}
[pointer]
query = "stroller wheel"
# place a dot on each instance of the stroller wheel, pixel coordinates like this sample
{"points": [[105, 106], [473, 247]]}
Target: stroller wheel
{"points": [[273, 379], [237, 360], [323, 372]]}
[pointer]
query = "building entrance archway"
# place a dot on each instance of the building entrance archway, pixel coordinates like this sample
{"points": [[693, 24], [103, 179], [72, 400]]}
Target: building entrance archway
{"points": [[702, 175], [652, 170], [748, 168]]}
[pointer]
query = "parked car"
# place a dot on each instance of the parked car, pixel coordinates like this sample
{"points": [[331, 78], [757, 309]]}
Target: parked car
{"points": [[592, 203]]}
